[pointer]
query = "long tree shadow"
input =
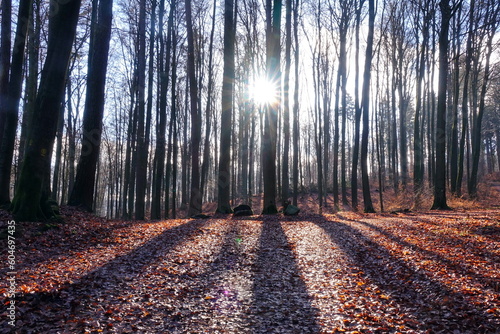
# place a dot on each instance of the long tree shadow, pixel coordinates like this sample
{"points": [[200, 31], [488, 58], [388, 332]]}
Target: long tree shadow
{"points": [[67, 244], [460, 268], [226, 283], [281, 303], [472, 245], [73, 299], [433, 304]]}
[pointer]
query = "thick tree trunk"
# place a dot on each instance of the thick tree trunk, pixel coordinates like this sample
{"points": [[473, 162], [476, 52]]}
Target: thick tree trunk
{"points": [[32, 78], [30, 201], [224, 176], [271, 119], [440, 172]]}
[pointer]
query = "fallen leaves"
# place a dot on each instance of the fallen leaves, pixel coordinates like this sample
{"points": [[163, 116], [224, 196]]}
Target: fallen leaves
{"points": [[343, 273]]}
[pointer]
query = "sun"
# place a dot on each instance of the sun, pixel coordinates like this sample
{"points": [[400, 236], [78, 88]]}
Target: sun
{"points": [[262, 91]]}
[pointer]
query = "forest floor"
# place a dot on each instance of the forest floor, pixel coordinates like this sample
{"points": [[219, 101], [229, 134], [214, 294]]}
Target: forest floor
{"points": [[405, 272]]}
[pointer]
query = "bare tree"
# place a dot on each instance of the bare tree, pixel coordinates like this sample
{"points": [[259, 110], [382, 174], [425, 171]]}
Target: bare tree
{"points": [[83, 190], [273, 18], [224, 176], [9, 103], [365, 101], [195, 198], [440, 172]]}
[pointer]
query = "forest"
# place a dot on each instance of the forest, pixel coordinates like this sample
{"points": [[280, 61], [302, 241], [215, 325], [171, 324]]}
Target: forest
{"points": [[250, 166], [155, 109]]}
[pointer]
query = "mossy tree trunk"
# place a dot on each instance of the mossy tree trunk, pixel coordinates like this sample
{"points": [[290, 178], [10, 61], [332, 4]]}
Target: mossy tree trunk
{"points": [[30, 198]]}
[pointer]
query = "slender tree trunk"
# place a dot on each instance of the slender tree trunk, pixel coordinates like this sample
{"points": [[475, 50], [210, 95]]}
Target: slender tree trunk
{"points": [[465, 102], [71, 140], [174, 128], [357, 120], [142, 153], [195, 198], [285, 183], [57, 163], [9, 103], [343, 70], [208, 109], [296, 129], [161, 123], [456, 93], [336, 136], [418, 150], [491, 20], [83, 190], [366, 105]]}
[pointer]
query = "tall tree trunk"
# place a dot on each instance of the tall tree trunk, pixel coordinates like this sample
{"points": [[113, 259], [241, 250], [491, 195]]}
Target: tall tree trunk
{"points": [[59, 144], [224, 176], [271, 119], [343, 70], [285, 183], [9, 104], [440, 172], [5, 46], [208, 108], [418, 150], [83, 190], [491, 20], [456, 93], [30, 201], [161, 122], [357, 120], [296, 104], [32, 77], [71, 140], [366, 105], [173, 133], [142, 151], [465, 102], [195, 198], [336, 136]]}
